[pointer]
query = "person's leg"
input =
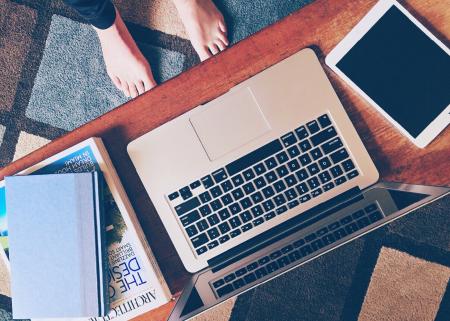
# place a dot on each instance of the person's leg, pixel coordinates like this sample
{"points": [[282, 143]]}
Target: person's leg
{"points": [[204, 25], [125, 64]]}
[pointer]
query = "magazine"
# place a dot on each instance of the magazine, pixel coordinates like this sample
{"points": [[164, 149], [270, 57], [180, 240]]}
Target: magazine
{"points": [[136, 284]]}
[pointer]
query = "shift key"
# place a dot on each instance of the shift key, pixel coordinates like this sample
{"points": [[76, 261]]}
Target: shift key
{"points": [[199, 240], [332, 145], [187, 206]]}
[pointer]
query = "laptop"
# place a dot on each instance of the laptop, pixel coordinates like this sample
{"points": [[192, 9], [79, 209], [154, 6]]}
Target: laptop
{"points": [[263, 179]]}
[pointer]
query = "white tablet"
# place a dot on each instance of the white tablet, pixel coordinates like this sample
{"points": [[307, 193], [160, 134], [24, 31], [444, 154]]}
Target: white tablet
{"points": [[397, 65]]}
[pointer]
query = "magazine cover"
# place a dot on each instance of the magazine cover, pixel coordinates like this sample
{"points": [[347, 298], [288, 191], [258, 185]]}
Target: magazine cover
{"points": [[135, 283]]}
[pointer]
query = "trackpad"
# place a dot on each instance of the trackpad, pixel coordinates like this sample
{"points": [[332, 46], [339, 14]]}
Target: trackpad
{"points": [[230, 123]]}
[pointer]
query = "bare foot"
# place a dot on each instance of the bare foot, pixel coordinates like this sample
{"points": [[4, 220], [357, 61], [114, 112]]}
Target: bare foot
{"points": [[125, 64], [204, 25]]}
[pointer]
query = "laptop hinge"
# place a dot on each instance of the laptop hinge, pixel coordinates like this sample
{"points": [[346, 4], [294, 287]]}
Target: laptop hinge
{"points": [[286, 228]]}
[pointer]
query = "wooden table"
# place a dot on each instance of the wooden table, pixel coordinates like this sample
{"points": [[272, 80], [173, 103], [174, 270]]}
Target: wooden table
{"points": [[320, 25]]}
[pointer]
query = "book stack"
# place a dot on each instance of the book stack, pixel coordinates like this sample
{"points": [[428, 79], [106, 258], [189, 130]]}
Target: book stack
{"points": [[38, 244]]}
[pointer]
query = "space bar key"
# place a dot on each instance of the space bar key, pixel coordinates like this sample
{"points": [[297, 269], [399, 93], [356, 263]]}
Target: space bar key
{"points": [[254, 157]]}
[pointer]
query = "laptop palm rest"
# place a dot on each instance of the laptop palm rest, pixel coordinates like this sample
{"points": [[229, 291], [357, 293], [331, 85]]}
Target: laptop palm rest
{"points": [[229, 123]]}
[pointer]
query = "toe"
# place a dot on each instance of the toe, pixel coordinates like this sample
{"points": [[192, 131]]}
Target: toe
{"points": [[222, 26], [140, 87], [133, 90], [149, 81], [213, 48], [125, 89], [116, 81], [220, 45], [203, 53], [223, 38]]}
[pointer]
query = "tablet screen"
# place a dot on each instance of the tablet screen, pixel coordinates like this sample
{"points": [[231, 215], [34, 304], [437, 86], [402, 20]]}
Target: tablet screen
{"points": [[402, 70]]}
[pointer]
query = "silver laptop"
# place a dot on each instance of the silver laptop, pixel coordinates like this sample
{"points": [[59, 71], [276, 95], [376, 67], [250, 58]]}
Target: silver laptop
{"points": [[262, 179]]}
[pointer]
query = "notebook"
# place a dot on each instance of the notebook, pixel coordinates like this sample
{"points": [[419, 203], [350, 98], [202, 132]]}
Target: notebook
{"points": [[57, 251]]}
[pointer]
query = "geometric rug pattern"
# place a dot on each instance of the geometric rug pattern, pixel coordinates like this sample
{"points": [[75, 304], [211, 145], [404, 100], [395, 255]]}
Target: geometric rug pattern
{"points": [[53, 80]]}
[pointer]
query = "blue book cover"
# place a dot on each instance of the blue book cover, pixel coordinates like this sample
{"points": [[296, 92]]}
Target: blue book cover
{"points": [[57, 249]]}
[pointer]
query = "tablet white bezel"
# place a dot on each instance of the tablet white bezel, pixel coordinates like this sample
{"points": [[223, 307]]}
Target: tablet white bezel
{"points": [[440, 122]]}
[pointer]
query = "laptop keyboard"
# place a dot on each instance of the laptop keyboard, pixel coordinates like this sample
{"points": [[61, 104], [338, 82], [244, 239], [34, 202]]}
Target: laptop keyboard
{"points": [[297, 167], [297, 250]]}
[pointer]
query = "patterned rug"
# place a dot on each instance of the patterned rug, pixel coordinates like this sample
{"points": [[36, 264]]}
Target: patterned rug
{"points": [[52, 80]]}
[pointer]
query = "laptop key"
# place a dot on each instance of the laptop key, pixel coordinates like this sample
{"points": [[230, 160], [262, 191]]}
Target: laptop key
{"points": [[205, 210], [260, 182], [216, 205], [339, 155], [271, 163], [272, 267], [351, 228], [323, 136], [282, 171], [224, 227], [336, 171], [363, 222], [248, 188], [358, 214], [254, 157], [294, 256], [316, 192], [259, 169], [250, 278], [190, 218], [279, 186], [305, 198], [313, 126], [348, 165], [302, 174], [288, 139], [333, 226], [332, 145], [235, 233], [205, 197], [260, 273], [185, 192], [229, 277], [249, 174], [237, 180], [305, 159], [324, 177], [375, 216], [281, 210], [257, 211], [328, 239], [220, 175], [313, 182], [306, 250], [246, 203], [258, 221], [201, 250], [346, 220], [271, 177], [282, 157], [224, 239], [324, 163], [279, 199], [252, 266], [213, 233], [227, 199], [287, 249], [290, 180], [293, 165], [283, 261], [305, 145], [187, 206], [328, 186], [316, 153], [324, 121], [227, 186], [241, 271], [269, 215], [301, 132], [191, 230], [290, 194], [293, 204], [340, 180], [293, 151], [268, 191], [370, 208], [256, 197], [263, 260], [313, 169], [352, 174], [246, 227], [213, 219], [246, 216], [299, 243], [218, 283], [275, 255], [224, 214], [235, 222], [207, 181], [173, 196], [239, 283], [199, 240], [238, 193], [310, 237], [202, 225], [338, 234], [268, 205], [216, 191], [227, 289]]}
